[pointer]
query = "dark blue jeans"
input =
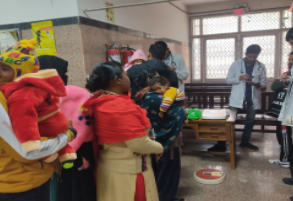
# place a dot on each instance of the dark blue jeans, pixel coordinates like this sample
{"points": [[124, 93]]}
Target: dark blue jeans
{"points": [[41, 193], [250, 116]]}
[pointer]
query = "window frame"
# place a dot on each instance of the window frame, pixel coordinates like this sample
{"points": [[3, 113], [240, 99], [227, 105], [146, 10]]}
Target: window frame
{"points": [[238, 42]]}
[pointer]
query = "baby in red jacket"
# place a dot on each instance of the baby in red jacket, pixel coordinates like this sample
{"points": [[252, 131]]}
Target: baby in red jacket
{"points": [[33, 100]]}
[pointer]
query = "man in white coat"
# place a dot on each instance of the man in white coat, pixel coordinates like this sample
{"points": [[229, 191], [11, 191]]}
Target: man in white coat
{"points": [[286, 114], [177, 64], [247, 77]]}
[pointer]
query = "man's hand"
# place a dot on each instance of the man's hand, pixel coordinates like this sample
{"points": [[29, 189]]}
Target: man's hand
{"points": [[172, 69], [285, 78], [245, 77], [161, 114], [257, 85]]}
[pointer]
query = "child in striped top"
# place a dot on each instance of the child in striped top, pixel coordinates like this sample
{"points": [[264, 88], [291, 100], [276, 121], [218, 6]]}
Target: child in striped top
{"points": [[161, 85]]}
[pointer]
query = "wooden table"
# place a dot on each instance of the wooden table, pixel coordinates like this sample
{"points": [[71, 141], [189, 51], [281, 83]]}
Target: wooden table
{"points": [[217, 130]]}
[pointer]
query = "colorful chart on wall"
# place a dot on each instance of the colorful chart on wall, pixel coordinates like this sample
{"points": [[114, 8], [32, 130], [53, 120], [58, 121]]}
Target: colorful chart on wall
{"points": [[43, 32], [8, 38], [110, 13]]}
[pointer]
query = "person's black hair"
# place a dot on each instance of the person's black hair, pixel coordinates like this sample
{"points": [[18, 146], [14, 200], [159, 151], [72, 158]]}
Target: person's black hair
{"points": [[253, 49], [289, 35], [291, 53], [158, 51], [141, 81], [161, 80], [57, 63], [102, 75], [163, 43]]}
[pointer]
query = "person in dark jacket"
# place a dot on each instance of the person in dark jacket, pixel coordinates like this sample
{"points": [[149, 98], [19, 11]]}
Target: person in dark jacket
{"points": [[77, 183], [156, 57]]}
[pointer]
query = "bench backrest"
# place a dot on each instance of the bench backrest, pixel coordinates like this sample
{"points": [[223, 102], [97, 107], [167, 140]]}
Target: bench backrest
{"points": [[206, 84], [207, 87], [219, 100]]}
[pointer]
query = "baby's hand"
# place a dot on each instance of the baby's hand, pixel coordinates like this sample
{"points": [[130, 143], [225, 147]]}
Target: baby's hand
{"points": [[161, 114]]}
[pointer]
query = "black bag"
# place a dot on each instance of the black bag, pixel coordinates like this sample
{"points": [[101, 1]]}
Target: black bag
{"points": [[277, 103]]}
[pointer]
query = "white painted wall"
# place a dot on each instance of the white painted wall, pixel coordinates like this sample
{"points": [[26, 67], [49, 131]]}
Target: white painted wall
{"points": [[253, 4], [162, 19], [17, 11]]}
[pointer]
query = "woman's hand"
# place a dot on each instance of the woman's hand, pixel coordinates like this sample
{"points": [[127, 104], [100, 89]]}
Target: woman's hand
{"points": [[161, 114], [70, 123], [142, 92], [70, 132], [160, 155]]}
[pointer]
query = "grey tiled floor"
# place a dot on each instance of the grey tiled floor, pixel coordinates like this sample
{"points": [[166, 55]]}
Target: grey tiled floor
{"points": [[253, 180]]}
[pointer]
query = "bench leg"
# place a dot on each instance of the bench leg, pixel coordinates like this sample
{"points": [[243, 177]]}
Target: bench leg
{"points": [[262, 127]]}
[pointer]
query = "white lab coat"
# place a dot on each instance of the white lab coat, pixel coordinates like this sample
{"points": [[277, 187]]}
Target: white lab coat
{"points": [[237, 96], [181, 69], [287, 108]]}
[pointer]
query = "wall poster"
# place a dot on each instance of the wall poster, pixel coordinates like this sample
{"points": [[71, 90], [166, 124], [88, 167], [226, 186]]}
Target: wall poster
{"points": [[43, 32], [110, 13], [8, 38]]}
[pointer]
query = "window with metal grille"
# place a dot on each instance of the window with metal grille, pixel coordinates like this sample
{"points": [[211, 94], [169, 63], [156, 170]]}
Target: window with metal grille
{"points": [[286, 19], [220, 25], [220, 53], [286, 49], [196, 27], [196, 54], [216, 41], [260, 21]]}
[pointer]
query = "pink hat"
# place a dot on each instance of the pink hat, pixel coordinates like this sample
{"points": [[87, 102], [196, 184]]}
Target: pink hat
{"points": [[138, 54]]}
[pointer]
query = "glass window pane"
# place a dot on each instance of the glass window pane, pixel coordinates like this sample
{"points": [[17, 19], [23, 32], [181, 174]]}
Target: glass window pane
{"points": [[196, 27], [286, 49], [286, 19], [220, 54], [196, 61], [260, 21], [267, 55], [220, 25]]}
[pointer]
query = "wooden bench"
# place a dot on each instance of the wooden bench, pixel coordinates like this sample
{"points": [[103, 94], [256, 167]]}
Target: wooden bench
{"points": [[222, 84], [207, 87], [220, 100]]}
